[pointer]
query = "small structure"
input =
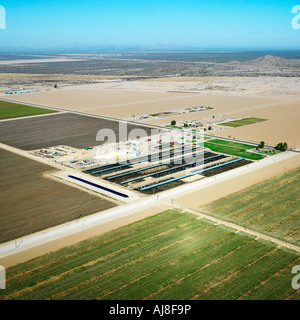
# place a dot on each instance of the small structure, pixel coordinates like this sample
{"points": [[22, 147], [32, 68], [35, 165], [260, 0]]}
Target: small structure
{"points": [[19, 91]]}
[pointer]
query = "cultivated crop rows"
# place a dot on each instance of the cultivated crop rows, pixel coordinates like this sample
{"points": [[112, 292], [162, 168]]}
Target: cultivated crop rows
{"points": [[272, 206], [172, 255]]}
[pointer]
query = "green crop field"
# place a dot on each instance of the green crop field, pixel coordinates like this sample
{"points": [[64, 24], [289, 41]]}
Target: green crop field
{"points": [[172, 255], [174, 127], [272, 207], [233, 148], [10, 110], [242, 122]]}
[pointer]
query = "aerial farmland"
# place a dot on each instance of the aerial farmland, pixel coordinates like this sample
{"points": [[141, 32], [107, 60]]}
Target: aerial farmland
{"points": [[149, 189]]}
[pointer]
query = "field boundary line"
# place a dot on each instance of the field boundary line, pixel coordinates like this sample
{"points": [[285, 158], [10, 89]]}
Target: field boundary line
{"points": [[75, 226], [262, 203], [239, 228], [77, 252], [35, 116], [253, 195], [149, 125]]}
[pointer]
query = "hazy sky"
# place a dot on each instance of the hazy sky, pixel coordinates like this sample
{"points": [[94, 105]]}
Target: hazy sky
{"points": [[198, 23]]}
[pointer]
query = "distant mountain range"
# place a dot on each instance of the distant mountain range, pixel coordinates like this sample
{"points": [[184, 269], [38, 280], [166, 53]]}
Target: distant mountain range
{"points": [[266, 62], [160, 64]]}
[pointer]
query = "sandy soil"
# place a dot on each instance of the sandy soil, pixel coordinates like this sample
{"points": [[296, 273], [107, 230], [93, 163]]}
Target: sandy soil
{"points": [[277, 100], [95, 97], [282, 125]]}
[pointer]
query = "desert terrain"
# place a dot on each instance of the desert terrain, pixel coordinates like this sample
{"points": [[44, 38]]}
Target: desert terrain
{"points": [[274, 99]]}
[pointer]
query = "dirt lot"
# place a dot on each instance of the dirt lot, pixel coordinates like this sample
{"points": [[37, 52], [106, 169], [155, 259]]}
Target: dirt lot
{"points": [[31, 202], [60, 129]]}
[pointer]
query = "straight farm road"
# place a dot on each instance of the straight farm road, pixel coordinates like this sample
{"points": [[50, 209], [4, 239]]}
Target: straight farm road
{"points": [[239, 228]]}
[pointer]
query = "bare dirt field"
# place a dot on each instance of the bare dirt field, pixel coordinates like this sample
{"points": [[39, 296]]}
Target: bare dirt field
{"points": [[31, 202], [69, 129], [98, 97], [283, 125], [271, 98]]}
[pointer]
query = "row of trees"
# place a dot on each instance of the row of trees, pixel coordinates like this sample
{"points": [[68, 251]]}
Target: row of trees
{"points": [[281, 146]]}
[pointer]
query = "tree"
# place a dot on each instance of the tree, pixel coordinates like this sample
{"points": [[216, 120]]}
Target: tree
{"points": [[173, 123], [261, 145], [209, 128], [281, 146]]}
